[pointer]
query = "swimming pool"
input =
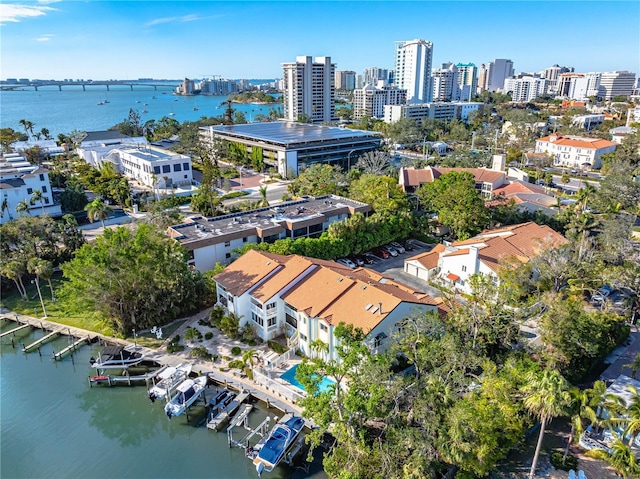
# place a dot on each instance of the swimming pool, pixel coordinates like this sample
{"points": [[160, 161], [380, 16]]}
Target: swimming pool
{"points": [[290, 377]]}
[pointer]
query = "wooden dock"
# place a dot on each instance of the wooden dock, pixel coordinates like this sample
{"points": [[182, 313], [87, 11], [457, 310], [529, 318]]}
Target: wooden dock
{"points": [[15, 330], [112, 380], [220, 419], [40, 341], [59, 355]]}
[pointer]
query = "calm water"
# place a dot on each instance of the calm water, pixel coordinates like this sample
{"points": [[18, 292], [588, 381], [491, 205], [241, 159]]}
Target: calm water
{"points": [[74, 109], [54, 425]]}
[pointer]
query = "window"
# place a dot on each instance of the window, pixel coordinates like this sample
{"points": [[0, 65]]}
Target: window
{"points": [[29, 191], [257, 319], [245, 239], [303, 337], [227, 255], [156, 170], [41, 177], [177, 167], [271, 306], [46, 200], [185, 166], [464, 268], [323, 327], [272, 321], [379, 340], [227, 243], [44, 189], [291, 320], [166, 168]]}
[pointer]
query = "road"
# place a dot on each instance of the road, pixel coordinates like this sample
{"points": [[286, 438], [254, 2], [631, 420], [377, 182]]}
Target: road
{"points": [[574, 184]]}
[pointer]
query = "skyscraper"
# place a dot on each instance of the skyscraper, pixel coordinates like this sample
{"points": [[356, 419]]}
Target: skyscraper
{"points": [[445, 83], [371, 76], [499, 70], [309, 89], [345, 80], [413, 69], [619, 83], [467, 80]]}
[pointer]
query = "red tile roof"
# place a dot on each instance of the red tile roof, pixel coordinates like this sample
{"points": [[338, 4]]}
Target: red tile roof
{"points": [[414, 178], [577, 141]]}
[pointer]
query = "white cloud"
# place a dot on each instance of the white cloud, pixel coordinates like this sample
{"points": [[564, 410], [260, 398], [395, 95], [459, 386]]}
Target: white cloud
{"points": [[44, 38], [13, 12], [48, 2], [183, 19]]}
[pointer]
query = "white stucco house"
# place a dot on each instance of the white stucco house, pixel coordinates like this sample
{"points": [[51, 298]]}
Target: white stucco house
{"points": [[305, 299], [574, 151]]}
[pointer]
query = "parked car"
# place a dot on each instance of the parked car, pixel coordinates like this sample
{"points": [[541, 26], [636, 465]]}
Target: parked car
{"points": [[381, 253], [602, 294], [408, 245], [346, 262], [368, 258], [390, 249], [398, 247], [357, 260]]}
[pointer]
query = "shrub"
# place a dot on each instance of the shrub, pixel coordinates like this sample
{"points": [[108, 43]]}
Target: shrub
{"points": [[205, 322], [235, 350], [174, 346], [236, 363], [277, 347], [216, 315], [208, 335], [201, 352], [571, 461]]}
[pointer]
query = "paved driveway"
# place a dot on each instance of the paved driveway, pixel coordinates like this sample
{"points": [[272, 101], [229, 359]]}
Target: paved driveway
{"points": [[394, 268]]}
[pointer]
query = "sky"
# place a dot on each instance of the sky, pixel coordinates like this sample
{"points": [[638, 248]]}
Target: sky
{"points": [[129, 39]]}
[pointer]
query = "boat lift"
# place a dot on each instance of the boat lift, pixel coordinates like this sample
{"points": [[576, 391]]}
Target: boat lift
{"points": [[61, 354]]}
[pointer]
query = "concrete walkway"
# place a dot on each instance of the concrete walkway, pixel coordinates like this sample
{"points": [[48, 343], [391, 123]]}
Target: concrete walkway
{"points": [[622, 355]]}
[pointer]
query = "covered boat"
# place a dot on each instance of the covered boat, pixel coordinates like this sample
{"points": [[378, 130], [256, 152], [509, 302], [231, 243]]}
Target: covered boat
{"points": [[280, 439], [113, 357], [186, 394], [168, 381]]}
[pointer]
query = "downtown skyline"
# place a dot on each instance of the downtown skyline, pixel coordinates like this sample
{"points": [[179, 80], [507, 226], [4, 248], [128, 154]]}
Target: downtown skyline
{"points": [[197, 39]]}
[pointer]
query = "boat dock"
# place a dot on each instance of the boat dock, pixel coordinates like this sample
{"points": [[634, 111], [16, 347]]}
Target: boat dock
{"points": [[61, 354], [40, 342], [15, 330], [112, 380], [261, 430], [221, 418]]}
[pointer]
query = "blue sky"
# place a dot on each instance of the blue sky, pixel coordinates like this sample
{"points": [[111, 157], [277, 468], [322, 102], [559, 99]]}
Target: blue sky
{"points": [[173, 39]]}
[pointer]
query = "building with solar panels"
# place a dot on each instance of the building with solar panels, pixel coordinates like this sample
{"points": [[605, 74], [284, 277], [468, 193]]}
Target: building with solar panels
{"points": [[290, 147]]}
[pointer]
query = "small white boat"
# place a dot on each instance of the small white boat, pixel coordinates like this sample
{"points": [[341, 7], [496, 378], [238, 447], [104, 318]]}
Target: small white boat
{"points": [[168, 381], [113, 357], [187, 393], [280, 439]]}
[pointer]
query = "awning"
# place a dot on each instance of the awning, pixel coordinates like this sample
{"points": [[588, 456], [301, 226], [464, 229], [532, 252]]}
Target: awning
{"points": [[453, 277]]}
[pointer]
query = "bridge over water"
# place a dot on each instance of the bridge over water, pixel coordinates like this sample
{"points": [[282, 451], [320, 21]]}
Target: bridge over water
{"points": [[84, 85]]}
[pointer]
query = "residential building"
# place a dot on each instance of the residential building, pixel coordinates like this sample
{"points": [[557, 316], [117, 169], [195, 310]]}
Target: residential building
{"points": [[444, 111], [213, 240], [218, 86], [467, 80], [370, 100], [97, 144], [619, 134], [483, 78], [345, 80], [18, 181], [486, 180], [552, 75], [309, 89], [526, 197], [523, 90], [187, 87], [486, 252], [373, 75], [574, 151], [306, 298], [153, 167], [589, 121], [618, 83], [46, 147], [291, 146], [445, 83], [413, 61], [497, 72]]}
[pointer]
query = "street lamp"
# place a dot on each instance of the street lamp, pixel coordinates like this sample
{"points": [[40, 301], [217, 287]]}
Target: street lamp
{"points": [[134, 336], [37, 283]]}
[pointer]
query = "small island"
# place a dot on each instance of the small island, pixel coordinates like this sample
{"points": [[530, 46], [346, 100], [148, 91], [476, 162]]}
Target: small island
{"points": [[256, 97]]}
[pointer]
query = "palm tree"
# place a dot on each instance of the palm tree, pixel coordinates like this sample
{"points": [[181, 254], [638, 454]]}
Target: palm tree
{"points": [[14, 270], [28, 127], [584, 405], [44, 269], [97, 210], [546, 396], [45, 132], [22, 208], [620, 457], [264, 202], [634, 365], [36, 266], [37, 196]]}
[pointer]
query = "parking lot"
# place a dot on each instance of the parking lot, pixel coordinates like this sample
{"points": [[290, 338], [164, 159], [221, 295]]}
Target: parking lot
{"points": [[393, 267]]}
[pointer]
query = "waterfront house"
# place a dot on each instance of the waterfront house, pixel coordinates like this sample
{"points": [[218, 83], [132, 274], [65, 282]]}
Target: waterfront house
{"points": [[306, 298]]}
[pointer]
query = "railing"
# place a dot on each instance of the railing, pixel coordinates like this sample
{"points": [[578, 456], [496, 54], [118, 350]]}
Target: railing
{"points": [[277, 386]]}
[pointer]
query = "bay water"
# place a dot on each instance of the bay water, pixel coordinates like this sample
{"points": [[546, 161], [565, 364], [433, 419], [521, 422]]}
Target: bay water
{"points": [[53, 424], [74, 109]]}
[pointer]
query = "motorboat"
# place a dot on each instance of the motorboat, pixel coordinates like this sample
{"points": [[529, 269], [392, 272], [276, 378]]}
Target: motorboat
{"points": [[168, 381], [280, 439], [113, 357], [220, 412], [187, 393]]}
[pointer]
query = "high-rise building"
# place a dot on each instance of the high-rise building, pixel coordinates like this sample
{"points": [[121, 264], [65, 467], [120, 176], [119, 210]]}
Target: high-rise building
{"points": [[345, 80], [482, 78], [525, 89], [413, 69], [370, 101], [552, 74], [309, 89], [445, 83], [371, 76], [498, 71], [619, 83], [467, 80]]}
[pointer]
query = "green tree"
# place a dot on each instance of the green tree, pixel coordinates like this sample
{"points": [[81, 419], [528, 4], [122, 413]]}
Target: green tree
{"points": [[22, 208], [634, 366], [15, 270], [137, 279], [546, 396], [37, 196], [620, 457], [318, 180], [454, 199], [28, 127], [73, 198], [381, 192], [264, 202], [98, 210]]}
